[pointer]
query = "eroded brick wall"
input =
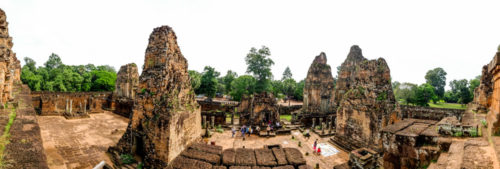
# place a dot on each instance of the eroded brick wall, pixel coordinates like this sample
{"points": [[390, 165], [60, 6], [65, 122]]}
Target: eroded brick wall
{"points": [[57, 103], [429, 113]]}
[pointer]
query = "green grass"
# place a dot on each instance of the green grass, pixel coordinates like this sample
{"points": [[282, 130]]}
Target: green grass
{"points": [[286, 117], [4, 139], [447, 105]]}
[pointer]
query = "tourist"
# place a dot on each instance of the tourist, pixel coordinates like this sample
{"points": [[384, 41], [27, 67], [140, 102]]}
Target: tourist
{"points": [[278, 125], [319, 151], [250, 131], [233, 131], [243, 131], [315, 144], [258, 129], [268, 129]]}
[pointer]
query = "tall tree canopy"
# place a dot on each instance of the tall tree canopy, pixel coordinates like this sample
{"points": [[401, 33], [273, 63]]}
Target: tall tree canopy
{"points": [[56, 76], [209, 82], [460, 89], [228, 79], [437, 78], [259, 64], [195, 79], [243, 85], [287, 74]]}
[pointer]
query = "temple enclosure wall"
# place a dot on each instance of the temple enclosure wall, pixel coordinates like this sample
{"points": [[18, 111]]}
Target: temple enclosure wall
{"points": [[429, 113], [70, 104]]}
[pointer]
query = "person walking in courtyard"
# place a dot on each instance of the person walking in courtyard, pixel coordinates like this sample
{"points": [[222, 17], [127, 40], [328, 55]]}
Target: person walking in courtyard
{"points": [[233, 131], [243, 128], [315, 144], [250, 131], [319, 151]]}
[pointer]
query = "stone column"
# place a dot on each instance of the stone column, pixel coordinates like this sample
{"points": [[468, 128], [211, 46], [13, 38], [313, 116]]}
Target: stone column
{"points": [[232, 119], [329, 127], [314, 122], [70, 106], [212, 120], [204, 121], [66, 110], [85, 106], [323, 126]]}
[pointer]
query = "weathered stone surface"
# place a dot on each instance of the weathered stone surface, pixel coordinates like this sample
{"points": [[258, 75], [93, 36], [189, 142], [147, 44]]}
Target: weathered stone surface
{"points": [[265, 157], [294, 156], [127, 80], [10, 67], [363, 158], [245, 157], [365, 100], [429, 113], [258, 109], [410, 143], [319, 87], [166, 117], [70, 104]]}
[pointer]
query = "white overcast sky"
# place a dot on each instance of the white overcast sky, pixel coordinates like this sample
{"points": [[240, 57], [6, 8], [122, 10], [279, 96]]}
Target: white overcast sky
{"points": [[413, 37]]}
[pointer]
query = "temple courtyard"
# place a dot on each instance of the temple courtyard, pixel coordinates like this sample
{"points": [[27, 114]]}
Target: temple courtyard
{"points": [[80, 143]]}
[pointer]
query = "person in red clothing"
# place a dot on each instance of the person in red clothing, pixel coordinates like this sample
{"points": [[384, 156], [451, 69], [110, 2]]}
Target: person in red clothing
{"points": [[319, 151]]}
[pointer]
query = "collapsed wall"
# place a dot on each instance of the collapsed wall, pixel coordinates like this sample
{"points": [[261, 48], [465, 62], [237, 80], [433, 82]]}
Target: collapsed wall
{"points": [[258, 109], [127, 80], [10, 67], [365, 101], [487, 94], [69, 104], [166, 117]]}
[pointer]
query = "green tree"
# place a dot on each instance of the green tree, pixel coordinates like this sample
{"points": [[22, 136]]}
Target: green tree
{"points": [[209, 81], [277, 88], [437, 78], [424, 94], [195, 79], [287, 74], [53, 62], [473, 84], [259, 64], [243, 85], [299, 90], [103, 80], [228, 79], [460, 89], [406, 93]]}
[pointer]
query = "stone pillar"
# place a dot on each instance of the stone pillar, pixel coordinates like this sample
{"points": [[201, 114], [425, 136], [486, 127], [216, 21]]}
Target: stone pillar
{"points": [[329, 127], [212, 121], [314, 122], [66, 110], [320, 121], [85, 106], [70, 106], [204, 121], [232, 119], [323, 126]]}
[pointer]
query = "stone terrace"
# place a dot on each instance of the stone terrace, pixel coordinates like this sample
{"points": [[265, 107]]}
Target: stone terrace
{"points": [[205, 156]]}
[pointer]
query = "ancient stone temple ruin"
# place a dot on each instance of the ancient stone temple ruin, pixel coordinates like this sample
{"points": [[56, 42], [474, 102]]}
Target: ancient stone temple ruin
{"points": [[365, 101], [258, 109], [166, 117], [10, 67], [127, 80], [319, 107]]}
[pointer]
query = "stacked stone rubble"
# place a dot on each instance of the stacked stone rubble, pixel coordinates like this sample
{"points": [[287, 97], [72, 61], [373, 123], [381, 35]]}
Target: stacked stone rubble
{"points": [[166, 117], [199, 156], [365, 101], [126, 84], [10, 67]]}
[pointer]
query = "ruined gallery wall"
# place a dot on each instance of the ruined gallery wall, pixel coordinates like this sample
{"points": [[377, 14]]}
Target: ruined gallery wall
{"points": [[126, 87], [57, 103], [429, 113], [258, 109], [10, 67], [494, 100]]}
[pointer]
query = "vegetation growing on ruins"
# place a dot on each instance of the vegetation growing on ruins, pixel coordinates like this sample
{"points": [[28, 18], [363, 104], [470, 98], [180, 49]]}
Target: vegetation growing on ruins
{"points": [[4, 139], [56, 76]]}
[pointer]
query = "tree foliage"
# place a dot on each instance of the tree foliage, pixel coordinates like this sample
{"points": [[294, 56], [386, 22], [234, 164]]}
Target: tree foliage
{"points": [[287, 74], [461, 91], [437, 78], [259, 64], [243, 85], [56, 76], [195, 79], [228, 79], [209, 82]]}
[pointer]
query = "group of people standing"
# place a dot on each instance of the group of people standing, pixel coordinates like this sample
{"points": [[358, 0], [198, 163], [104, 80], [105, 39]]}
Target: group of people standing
{"points": [[244, 131]]}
